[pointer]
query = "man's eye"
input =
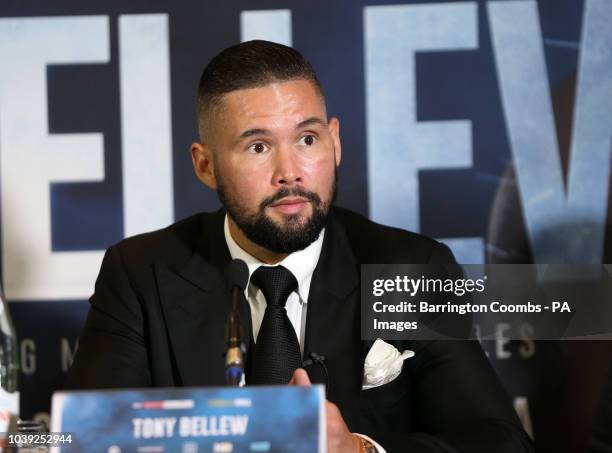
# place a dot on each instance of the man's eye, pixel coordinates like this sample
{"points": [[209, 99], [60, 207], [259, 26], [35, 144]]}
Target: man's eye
{"points": [[308, 140], [258, 148]]}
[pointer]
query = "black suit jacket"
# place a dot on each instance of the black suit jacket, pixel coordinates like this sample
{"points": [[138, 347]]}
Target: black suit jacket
{"points": [[158, 314]]}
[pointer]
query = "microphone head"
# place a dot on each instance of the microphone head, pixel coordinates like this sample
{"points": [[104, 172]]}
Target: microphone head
{"points": [[237, 274]]}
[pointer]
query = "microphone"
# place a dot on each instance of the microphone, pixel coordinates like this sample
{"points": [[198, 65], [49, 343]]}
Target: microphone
{"points": [[237, 274], [313, 366]]}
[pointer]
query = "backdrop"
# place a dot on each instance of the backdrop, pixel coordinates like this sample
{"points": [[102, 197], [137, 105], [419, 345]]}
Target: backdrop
{"points": [[485, 124]]}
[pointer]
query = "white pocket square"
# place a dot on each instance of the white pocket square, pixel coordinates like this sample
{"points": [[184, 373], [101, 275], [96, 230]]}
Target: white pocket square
{"points": [[383, 364]]}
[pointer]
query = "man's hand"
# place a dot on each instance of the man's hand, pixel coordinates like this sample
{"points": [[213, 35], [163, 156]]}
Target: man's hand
{"points": [[339, 438]]}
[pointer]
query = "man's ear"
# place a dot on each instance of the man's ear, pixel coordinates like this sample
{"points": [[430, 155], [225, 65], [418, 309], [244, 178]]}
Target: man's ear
{"points": [[334, 129], [203, 164]]}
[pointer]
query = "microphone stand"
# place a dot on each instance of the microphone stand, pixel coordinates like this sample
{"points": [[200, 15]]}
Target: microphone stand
{"points": [[234, 355]]}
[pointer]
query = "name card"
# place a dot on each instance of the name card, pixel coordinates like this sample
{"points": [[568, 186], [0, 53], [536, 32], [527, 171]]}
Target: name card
{"points": [[192, 420]]}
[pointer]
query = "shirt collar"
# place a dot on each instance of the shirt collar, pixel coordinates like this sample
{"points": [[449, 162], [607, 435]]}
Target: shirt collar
{"points": [[301, 263]]}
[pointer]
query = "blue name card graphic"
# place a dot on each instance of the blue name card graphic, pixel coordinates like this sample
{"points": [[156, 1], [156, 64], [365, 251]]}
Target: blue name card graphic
{"points": [[192, 420]]}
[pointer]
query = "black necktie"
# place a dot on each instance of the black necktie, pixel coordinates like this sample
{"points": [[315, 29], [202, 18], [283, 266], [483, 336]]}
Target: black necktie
{"points": [[277, 350]]}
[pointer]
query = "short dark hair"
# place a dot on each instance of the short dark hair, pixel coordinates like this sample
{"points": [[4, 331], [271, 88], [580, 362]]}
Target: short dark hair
{"points": [[250, 64]]}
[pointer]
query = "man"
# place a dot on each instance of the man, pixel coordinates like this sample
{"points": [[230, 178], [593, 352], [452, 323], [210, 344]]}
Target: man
{"points": [[160, 303]]}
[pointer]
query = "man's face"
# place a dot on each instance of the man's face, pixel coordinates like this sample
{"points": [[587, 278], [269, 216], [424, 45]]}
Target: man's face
{"points": [[271, 154]]}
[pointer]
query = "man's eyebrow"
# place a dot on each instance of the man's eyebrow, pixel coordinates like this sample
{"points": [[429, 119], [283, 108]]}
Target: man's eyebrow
{"points": [[250, 132], [311, 122]]}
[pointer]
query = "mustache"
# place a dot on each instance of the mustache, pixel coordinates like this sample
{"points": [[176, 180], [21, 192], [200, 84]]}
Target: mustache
{"points": [[290, 192]]}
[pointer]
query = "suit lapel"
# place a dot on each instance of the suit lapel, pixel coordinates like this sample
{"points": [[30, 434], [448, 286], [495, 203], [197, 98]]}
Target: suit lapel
{"points": [[196, 302], [333, 318]]}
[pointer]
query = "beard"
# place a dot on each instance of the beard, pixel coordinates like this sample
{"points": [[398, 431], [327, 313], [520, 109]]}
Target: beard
{"points": [[296, 233]]}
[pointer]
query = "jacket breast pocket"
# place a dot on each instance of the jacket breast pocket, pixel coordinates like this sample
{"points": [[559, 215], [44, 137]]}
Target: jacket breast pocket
{"points": [[389, 393], [387, 407]]}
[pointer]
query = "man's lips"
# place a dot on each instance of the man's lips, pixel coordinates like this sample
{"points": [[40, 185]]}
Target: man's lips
{"points": [[290, 205], [290, 201]]}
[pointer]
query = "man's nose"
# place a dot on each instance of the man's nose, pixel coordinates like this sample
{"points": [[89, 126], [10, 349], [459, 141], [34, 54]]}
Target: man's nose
{"points": [[287, 169]]}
